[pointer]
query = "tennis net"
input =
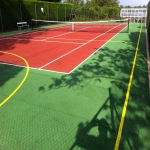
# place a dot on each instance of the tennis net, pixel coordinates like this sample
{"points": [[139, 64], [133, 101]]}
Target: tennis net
{"points": [[88, 26]]}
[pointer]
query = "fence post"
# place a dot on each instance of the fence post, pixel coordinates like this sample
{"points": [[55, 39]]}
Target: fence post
{"points": [[48, 11], [57, 12], [65, 13], [20, 13], [35, 15], [1, 19]]}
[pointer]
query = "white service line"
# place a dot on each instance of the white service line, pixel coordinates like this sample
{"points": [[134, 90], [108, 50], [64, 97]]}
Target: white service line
{"points": [[78, 47]]}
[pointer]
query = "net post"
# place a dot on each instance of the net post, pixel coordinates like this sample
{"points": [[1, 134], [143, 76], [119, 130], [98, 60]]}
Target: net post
{"points": [[72, 26]]}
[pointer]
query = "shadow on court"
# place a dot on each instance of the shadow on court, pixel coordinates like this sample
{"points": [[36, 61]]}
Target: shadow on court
{"points": [[7, 72], [106, 133], [110, 69]]}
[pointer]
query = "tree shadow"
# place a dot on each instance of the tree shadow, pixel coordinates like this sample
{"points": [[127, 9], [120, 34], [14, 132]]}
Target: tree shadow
{"points": [[7, 72], [104, 136], [91, 142], [115, 66]]}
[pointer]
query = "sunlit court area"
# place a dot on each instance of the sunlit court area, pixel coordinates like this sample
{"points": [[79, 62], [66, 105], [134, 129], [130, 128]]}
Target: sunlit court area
{"points": [[74, 75]]}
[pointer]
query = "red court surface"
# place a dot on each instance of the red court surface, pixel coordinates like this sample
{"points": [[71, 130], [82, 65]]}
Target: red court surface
{"points": [[55, 51]]}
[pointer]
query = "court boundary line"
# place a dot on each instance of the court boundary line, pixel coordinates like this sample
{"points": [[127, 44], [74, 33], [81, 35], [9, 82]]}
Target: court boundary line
{"points": [[23, 80], [127, 95], [95, 51], [77, 47], [3, 63]]}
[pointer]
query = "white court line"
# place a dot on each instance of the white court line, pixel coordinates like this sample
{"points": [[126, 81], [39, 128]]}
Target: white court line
{"points": [[78, 47], [44, 41], [95, 51], [32, 68]]}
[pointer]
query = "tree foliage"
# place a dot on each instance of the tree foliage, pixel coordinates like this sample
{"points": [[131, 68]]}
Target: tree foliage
{"points": [[52, 0], [95, 9]]}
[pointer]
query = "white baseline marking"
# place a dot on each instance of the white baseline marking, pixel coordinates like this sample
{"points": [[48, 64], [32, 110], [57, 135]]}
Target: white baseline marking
{"points": [[32, 68], [78, 47]]}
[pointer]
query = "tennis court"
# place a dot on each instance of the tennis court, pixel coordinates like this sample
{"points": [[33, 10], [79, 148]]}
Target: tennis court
{"points": [[46, 45], [65, 90]]}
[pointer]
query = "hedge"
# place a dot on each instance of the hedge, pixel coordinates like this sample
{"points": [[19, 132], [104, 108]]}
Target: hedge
{"points": [[13, 11]]}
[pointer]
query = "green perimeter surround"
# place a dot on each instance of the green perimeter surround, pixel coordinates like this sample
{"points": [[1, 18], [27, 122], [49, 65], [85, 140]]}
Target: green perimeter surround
{"points": [[81, 110]]}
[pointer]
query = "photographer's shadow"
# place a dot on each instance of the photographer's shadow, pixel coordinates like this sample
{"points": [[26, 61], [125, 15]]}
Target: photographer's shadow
{"points": [[102, 141]]}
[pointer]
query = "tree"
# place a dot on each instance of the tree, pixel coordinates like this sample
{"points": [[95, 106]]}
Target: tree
{"points": [[108, 3], [52, 0], [101, 3], [115, 3], [121, 6], [128, 6]]}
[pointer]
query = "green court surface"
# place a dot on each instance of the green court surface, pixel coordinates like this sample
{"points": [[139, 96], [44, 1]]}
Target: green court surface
{"points": [[81, 110]]}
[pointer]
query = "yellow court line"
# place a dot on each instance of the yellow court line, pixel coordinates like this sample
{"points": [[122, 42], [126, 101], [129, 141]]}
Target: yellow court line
{"points": [[27, 72], [127, 96]]}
